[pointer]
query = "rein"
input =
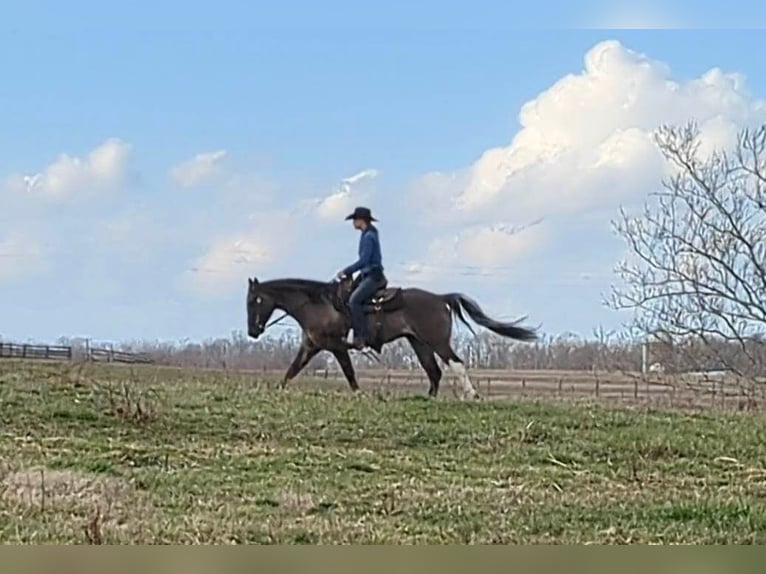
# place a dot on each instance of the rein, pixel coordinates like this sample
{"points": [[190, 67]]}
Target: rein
{"points": [[275, 321], [284, 316]]}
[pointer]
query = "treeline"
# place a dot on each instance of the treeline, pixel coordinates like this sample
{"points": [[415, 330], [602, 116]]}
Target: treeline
{"points": [[601, 351], [483, 351]]}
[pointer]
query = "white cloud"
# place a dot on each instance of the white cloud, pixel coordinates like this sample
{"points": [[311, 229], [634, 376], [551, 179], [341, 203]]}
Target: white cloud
{"points": [[586, 142], [497, 244], [477, 250], [103, 169], [272, 234], [585, 146], [233, 257], [199, 169], [342, 201], [229, 260], [20, 256]]}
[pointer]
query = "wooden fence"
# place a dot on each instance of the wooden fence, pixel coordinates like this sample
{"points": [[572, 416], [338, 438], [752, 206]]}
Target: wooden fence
{"points": [[66, 353], [51, 352], [104, 355]]}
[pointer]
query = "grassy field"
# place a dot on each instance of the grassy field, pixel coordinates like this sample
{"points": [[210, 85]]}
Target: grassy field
{"points": [[104, 454]]}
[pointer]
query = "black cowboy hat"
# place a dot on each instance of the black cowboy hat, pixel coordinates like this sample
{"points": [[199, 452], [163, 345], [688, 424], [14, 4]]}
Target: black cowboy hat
{"points": [[361, 213]]}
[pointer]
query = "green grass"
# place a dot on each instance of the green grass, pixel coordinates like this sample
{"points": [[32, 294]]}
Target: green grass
{"points": [[111, 455]]}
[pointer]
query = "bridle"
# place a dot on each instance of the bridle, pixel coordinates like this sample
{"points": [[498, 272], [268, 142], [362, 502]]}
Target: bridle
{"points": [[285, 314]]}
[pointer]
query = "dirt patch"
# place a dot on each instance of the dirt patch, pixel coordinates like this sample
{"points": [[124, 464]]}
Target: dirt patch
{"points": [[96, 508], [295, 501], [109, 501], [38, 487]]}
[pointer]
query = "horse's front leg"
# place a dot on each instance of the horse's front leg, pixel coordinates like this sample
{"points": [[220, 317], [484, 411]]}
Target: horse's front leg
{"points": [[341, 355], [306, 352]]}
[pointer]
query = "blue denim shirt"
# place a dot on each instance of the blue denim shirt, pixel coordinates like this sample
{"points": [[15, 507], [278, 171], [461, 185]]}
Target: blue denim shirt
{"points": [[370, 257]]}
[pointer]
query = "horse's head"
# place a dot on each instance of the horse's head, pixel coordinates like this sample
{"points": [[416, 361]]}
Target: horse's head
{"points": [[260, 307]]}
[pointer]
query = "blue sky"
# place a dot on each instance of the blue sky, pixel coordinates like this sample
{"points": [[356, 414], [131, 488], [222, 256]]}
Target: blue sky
{"points": [[149, 165]]}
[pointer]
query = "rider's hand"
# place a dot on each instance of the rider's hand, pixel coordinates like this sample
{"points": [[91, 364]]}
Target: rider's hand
{"points": [[340, 276]]}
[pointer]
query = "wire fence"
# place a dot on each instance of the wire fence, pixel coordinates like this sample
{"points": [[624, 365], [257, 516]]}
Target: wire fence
{"points": [[692, 390]]}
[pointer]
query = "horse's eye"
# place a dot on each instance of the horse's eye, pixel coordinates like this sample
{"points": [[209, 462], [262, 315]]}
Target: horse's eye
{"points": [[258, 300]]}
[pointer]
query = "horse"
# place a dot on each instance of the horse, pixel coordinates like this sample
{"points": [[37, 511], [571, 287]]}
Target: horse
{"points": [[423, 318]]}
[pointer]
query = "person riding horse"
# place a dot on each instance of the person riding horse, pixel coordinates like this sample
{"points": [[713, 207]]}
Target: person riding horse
{"points": [[371, 277]]}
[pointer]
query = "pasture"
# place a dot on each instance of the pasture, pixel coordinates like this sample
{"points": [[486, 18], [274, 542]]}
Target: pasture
{"points": [[115, 454]]}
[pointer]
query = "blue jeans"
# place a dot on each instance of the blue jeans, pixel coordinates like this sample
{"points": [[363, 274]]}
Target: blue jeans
{"points": [[367, 287]]}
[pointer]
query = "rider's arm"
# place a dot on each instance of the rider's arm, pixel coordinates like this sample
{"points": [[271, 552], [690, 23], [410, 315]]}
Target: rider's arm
{"points": [[364, 256]]}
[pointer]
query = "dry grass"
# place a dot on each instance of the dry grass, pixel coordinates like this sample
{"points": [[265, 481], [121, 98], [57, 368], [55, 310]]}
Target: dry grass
{"points": [[152, 455]]}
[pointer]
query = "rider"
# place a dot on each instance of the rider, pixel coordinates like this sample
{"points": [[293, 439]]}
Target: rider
{"points": [[370, 268]]}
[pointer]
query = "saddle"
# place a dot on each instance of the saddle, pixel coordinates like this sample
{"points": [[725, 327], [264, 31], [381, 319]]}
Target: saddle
{"points": [[385, 300]]}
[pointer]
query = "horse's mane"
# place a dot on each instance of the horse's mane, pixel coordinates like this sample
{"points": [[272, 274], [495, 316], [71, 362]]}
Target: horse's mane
{"points": [[315, 290]]}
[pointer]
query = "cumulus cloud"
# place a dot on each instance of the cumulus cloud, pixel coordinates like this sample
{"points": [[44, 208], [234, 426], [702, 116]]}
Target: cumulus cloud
{"points": [[103, 169], [232, 257], [586, 141], [478, 250], [585, 145], [271, 235], [199, 169], [497, 244], [20, 256], [342, 201], [229, 260]]}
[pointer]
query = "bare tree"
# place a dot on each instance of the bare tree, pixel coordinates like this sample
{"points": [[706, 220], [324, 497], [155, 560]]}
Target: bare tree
{"points": [[696, 269]]}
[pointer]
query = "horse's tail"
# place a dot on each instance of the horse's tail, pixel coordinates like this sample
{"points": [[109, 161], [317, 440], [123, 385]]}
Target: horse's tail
{"points": [[458, 303]]}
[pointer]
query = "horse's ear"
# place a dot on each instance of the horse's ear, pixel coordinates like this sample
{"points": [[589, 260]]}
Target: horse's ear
{"points": [[253, 281]]}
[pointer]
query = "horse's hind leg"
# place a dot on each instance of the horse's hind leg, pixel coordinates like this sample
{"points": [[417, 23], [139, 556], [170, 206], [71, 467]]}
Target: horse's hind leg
{"points": [[427, 360], [454, 362], [305, 354]]}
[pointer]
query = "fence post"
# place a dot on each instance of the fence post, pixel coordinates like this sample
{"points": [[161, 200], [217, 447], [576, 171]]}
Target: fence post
{"points": [[741, 390], [673, 394], [723, 394], [712, 394], [560, 387], [635, 388], [598, 390], [524, 387], [24, 351]]}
